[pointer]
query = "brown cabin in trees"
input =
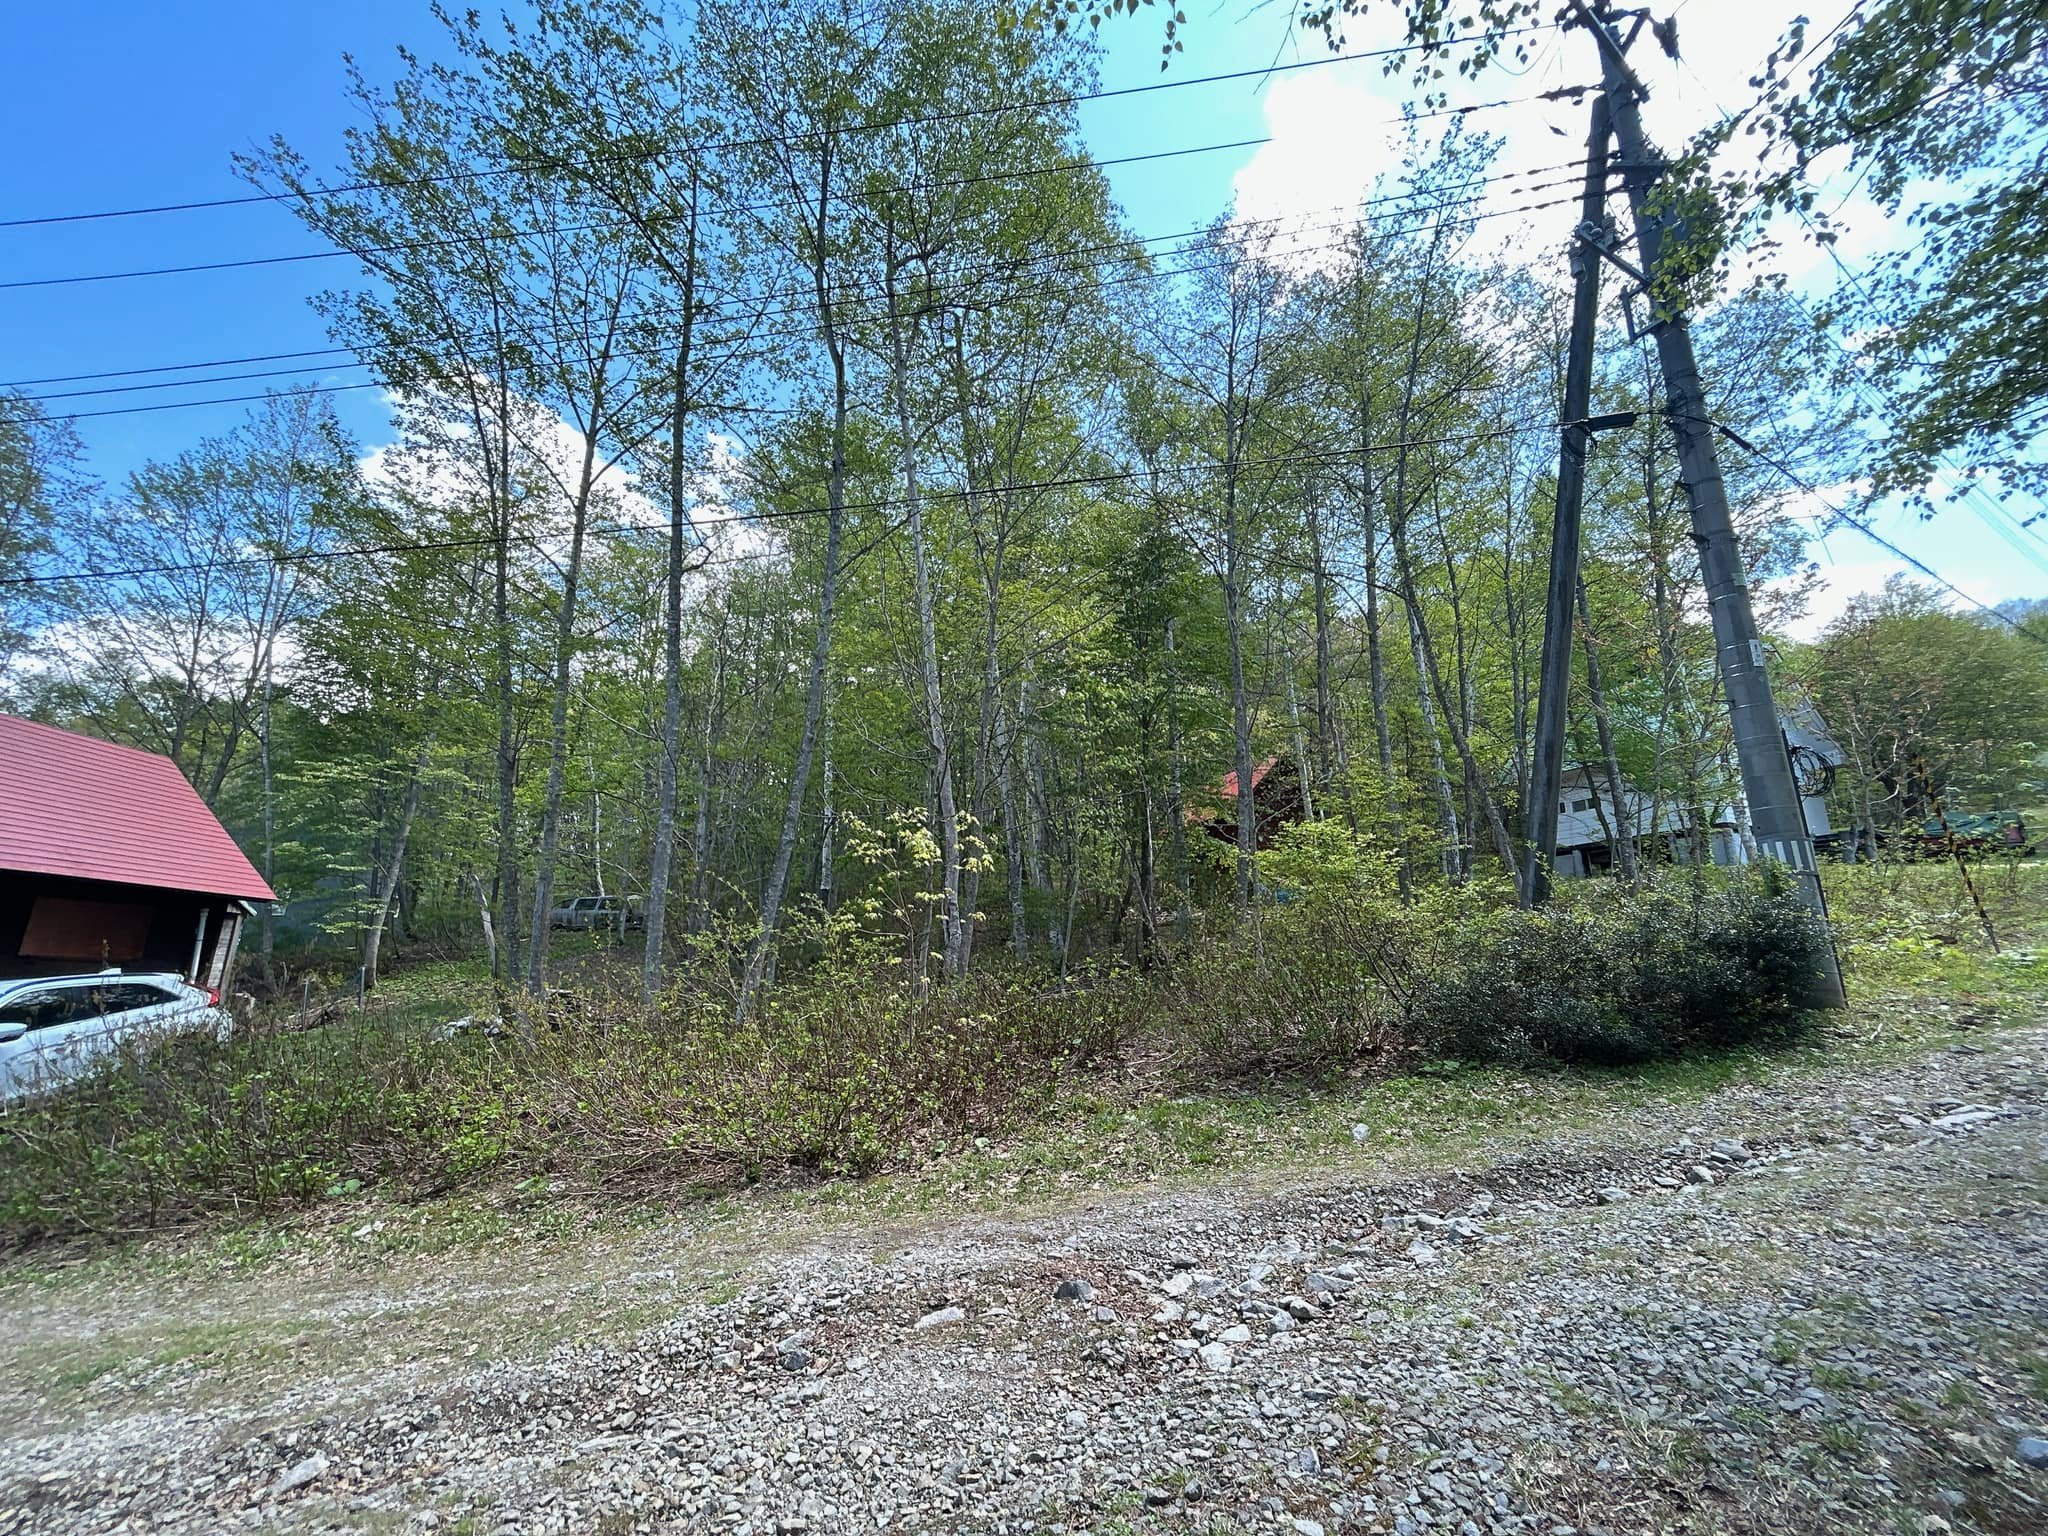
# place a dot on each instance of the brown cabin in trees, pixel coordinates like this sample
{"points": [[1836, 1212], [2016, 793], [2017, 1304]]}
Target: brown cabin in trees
{"points": [[1277, 802]]}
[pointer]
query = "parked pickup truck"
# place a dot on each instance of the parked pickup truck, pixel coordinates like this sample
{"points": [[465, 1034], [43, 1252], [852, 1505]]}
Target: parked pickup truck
{"points": [[599, 912]]}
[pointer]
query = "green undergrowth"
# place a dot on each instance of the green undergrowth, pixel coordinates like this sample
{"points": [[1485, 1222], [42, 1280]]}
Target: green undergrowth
{"points": [[382, 1133]]}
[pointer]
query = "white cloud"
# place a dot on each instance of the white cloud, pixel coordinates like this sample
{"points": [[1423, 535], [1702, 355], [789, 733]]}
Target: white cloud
{"points": [[1839, 583], [444, 475], [1336, 130]]}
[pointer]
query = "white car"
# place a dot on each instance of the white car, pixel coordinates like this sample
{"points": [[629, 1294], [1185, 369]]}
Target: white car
{"points": [[57, 1028]]}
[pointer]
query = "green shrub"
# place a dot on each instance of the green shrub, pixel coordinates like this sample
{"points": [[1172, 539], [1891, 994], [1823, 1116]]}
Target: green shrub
{"points": [[1618, 978], [845, 1070], [851, 1066]]}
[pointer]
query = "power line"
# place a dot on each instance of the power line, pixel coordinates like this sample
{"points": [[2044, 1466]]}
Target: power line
{"points": [[774, 515], [1085, 163], [1864, 528], [1142, 276], [1108, 246], [1299, 221], [1039, 104], [1987, 508]]}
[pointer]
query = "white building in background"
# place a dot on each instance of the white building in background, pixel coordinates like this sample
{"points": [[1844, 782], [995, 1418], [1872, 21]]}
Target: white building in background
{"points": [[1586, 819]]}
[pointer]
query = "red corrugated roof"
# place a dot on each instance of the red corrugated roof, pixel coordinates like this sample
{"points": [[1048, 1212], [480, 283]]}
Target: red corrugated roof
{"points": [[73, 805], [1228, 788]]}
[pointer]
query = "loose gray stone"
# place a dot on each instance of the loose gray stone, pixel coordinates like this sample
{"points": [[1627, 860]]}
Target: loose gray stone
{"points": [[1074, 1288], [307, 1472], [942, 1317], [2033, 1450]]}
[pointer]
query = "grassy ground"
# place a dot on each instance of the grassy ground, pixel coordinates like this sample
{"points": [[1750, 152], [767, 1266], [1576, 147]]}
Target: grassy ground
{"points": [[1920, 967], [359, 1291], [278, 1321]]}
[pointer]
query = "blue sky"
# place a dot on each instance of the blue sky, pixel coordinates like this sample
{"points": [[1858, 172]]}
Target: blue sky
{"points": [[132, 103]]}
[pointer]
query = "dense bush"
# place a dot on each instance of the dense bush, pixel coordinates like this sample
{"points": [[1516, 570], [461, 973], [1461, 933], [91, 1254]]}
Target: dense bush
{"points": [[1313, 980], [841, 1073], [1613, 979], [852, 1066]]}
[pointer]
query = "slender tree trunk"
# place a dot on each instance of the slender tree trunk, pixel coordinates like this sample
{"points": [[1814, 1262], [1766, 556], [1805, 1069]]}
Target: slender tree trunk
{"points": [[1418, 625], [267, 919], [1240, 706], [508, 763], [1460, 738], [1176, 807], [990, 712], [1328, 748], [1145, 875], [1304, 763], [1036, 805], [394, 869], [1066, 939], [483, 911], [540, 930], [1013, 840], [701, 863], [953, 952], [827, 815], [1375, 647], [821, 653], [1451, 856], [661, 864]]}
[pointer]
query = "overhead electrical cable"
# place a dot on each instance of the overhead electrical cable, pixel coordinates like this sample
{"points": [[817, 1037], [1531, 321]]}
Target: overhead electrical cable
{"points": [[1108, 247], [1989, 509], [1074, 98], [457, 241], [1850, 520], [1146, 275], [777, 515]]}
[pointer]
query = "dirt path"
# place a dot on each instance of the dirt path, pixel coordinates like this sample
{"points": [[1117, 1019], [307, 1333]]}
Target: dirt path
{"points": [[1819, 1305]]}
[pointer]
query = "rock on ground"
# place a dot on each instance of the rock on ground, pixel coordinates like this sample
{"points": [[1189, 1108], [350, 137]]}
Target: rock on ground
{"points": [[1819, 1305]]}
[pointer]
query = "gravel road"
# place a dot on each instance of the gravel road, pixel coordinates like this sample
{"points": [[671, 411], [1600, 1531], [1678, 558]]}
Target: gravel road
{"points": [[1818, 1305]]}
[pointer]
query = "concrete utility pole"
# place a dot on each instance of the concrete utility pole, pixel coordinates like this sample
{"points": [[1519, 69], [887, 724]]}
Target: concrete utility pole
{"points": [[1767, 782], [1546, 772]]}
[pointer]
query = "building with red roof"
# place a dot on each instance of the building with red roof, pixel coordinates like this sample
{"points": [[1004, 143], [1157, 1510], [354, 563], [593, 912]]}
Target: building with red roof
{"points": [[1277, 802], [109, 858]]}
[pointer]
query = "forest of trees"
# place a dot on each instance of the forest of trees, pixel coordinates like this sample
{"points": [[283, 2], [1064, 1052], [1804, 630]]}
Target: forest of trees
{"points": [[806, 482]]}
